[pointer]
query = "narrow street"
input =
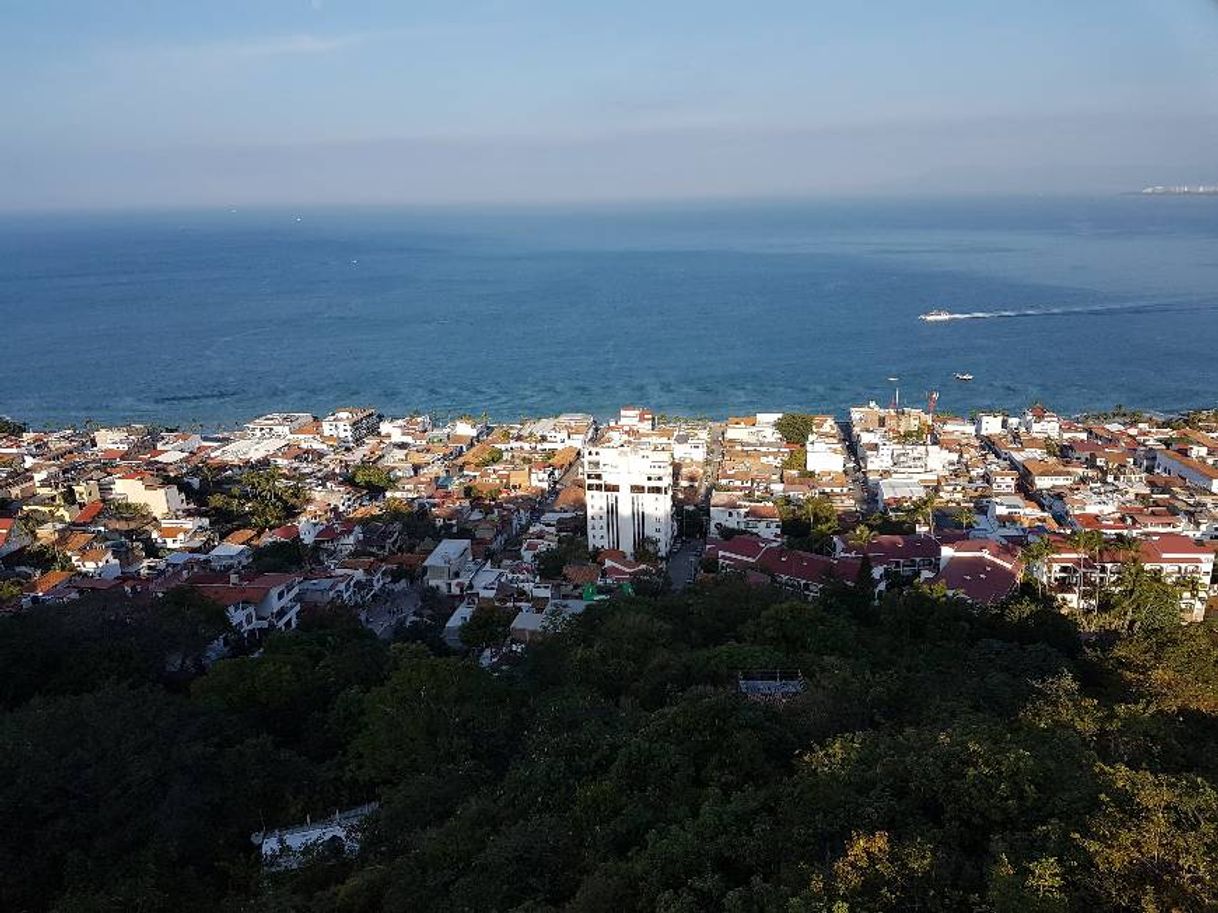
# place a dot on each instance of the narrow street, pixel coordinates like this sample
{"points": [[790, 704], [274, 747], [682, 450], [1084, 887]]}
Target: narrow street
{"points": [[683, 563]]}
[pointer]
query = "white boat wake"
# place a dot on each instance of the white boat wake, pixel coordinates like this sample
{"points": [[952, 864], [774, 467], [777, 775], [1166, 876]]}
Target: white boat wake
{"points": [[1189, 305]]}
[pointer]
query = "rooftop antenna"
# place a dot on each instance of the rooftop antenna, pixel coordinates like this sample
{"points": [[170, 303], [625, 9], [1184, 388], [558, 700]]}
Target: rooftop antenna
{"points": [[896, 393]]}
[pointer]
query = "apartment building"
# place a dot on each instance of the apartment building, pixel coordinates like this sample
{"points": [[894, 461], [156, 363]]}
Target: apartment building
{"points": [[628, 494], [350, 426]]}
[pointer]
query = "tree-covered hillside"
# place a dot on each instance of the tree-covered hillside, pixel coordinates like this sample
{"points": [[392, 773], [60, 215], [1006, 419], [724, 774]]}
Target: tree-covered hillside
{"points": [[940, 758]]}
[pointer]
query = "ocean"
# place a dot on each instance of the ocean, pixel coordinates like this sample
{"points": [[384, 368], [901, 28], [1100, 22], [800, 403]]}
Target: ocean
{"points": [[212, 317]]}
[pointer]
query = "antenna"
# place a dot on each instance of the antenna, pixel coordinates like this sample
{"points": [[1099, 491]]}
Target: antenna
{"points": [[896, 392]]}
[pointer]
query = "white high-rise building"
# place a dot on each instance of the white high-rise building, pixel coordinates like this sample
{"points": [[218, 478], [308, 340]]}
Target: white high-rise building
{"points": [[628, 492]]}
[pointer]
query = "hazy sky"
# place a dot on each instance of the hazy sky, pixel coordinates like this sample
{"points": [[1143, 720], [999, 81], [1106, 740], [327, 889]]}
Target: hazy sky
{"points": [[224, 102]]}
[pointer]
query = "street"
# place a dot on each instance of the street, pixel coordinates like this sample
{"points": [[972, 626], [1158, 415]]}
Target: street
{"points": [[683, 563], [396, 602]]}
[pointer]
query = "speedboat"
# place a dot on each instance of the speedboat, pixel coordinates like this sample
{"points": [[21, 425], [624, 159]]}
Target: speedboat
{"points": [[964, 377], [936, 315]]}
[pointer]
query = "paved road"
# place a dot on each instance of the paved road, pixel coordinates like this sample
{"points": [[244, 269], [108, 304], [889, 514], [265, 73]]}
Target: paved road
{"points": [[683, 564], [395, 603]]}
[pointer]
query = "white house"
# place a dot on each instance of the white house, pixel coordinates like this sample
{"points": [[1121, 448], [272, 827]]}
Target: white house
{"points": [[728, 512], [448, 567], [289, 848]]}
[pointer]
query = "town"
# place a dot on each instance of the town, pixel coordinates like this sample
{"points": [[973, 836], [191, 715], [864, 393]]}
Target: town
{"points": [[487, 536]]}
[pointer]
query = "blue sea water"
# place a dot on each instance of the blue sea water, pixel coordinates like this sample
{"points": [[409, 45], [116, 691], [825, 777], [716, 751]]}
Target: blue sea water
{"points": [[216, 316]]}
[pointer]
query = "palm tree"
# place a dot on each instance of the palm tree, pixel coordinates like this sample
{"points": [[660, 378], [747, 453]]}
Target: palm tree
{"points": [[1126, 547], [924, 509], [1088, 543], [1035, 553], [862, 536], [965, 516]]}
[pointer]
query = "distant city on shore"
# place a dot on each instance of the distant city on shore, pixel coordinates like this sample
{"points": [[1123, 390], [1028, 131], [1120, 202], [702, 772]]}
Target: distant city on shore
{"points": [[1182, 190]]}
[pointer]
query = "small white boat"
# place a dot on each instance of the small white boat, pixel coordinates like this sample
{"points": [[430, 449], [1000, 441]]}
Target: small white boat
{"points": [[964, 377], [936, 315]]}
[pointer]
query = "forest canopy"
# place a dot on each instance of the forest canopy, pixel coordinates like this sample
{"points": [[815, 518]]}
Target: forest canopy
{"points": [[940, 757]]}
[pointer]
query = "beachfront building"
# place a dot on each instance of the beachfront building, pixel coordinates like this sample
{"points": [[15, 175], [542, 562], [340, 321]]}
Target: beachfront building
{"points": [[277, 424], [628, 493], [350, 425]]}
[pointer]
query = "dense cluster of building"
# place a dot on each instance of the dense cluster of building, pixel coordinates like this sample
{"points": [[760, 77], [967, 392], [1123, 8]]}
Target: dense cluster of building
{"points": [[977, 492], [912, 495]]}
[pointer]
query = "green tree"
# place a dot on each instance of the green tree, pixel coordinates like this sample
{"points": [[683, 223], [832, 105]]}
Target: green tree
{"points": [[795, 427], [371, 477], [1153, 842], [647, 550], [128, 798], [492, 456], [1087, 543], [1140, 599], [487, 627], [280, 556], [432, 714]]}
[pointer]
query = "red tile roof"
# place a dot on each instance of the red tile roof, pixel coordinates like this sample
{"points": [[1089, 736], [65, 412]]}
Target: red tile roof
{"points": [[979, 578], [884, 549], [88, 513]]}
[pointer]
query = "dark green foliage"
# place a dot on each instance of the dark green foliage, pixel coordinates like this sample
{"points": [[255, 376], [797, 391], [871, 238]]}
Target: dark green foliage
{"points": [[128, 798], [371, 477], [75, 648], [262, 498], [487, 627], [42, 558], [940, 758], [550, 564], [280, 557], [795, 427]]}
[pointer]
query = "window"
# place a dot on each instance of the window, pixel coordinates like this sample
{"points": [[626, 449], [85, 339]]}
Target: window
{"points": [[636, 489]]}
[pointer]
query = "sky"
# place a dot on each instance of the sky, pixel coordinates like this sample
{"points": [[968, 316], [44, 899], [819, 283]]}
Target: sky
{"points": [[132, 103]]}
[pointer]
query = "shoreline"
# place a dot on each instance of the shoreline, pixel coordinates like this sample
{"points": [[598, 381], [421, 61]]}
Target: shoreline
{"points": [[840, 414]]}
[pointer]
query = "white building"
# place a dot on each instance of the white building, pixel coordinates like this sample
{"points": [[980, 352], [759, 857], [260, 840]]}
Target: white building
{"points": [[161, 498], [628, 493], [1196, 473], [277, 424], [410, 430], [881, 454], [689, 447], [350, 426], [449, 567], [636, 417], [824, 455], [1040, 423], [990, 423], [290, 848], [727, 511]]}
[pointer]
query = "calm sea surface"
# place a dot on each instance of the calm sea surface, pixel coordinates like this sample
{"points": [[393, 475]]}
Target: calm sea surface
{"points": [[216, 316]]}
